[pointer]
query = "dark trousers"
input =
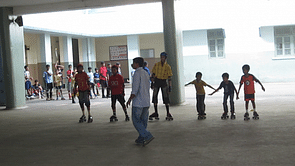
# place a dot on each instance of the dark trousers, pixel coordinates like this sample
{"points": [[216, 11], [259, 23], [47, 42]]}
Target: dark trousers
{"points": [[231, 101], [48, 87], [201, 104]]}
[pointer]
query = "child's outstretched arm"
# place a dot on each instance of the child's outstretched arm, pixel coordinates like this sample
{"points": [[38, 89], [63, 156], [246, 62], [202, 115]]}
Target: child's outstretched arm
{"points": [[239, 89], [188, 84], [214, 91], [236, 93], [260, 85], [211, 87]]}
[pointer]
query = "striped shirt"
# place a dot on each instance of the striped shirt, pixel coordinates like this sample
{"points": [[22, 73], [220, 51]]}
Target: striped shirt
{"points": [[141, 88], [162, 72]]}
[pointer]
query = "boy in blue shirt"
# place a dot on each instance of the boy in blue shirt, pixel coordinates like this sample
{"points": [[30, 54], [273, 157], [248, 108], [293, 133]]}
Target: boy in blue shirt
{"points": [[229, 89]]}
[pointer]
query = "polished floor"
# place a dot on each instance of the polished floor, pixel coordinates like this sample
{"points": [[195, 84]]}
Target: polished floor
{"points": [[48, 133]]}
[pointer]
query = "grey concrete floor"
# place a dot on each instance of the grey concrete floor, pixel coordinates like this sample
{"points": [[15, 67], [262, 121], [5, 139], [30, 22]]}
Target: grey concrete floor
{"points": [[48, 133]]}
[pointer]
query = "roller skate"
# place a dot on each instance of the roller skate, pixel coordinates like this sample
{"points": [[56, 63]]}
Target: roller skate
{"points": [[224, 116], [169, 117], [201, 117], [127, 118], [82, 119], [154, 115], [246, 116], [233, 115], [90, 119], [255, 115], [204, 116], [113, 118]]}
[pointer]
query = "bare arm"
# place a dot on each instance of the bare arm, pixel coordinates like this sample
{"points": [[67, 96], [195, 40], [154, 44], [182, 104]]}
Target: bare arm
{"points": [[129, 100], [260, 84], [215, 91], [211, 87]]}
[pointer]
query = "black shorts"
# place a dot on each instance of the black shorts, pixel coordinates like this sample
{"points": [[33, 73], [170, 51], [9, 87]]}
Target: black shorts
{"points": [[49, 86], [165, 91], [120, 98], [249, 97], [103, 83]]}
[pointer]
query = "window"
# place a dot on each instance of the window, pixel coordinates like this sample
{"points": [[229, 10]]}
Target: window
{"points": [[216, 43], [285, 41], [147, 53]]}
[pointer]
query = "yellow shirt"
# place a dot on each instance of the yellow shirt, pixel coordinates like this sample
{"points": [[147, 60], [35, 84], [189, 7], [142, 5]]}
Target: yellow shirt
{"points": [[58, 80], [162, 72], [199, 86]]}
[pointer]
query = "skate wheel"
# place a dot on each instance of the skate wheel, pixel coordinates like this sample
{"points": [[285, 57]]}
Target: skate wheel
{"points": [[116, 119], [157, 118]]}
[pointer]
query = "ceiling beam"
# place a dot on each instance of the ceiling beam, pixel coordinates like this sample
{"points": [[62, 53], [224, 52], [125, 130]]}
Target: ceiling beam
{"points": [[74, 5]]}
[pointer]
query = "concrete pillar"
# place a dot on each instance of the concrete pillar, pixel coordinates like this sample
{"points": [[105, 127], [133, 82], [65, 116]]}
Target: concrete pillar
{"points": [[88, 53], [133, 51], [45, 55], [66, 54], [173, 47], [12, 53]]}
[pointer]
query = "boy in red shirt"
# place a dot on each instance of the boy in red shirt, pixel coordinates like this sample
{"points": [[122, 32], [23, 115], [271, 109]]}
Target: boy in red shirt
{"points": [[249, 90], [116, 84], [82, 81]]}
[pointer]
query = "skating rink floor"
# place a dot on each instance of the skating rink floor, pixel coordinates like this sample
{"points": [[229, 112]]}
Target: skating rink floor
{"points": [[48, 133]]}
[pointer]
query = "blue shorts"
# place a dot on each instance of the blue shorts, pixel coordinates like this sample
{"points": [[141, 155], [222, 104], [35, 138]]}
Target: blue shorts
{"points": [[28, 85]]}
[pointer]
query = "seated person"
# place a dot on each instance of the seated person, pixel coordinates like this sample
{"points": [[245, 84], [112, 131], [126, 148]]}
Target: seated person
{"points": [[37, 89]]}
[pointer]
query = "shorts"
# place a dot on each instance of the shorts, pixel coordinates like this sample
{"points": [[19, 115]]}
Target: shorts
{"points": [[84, 98], [49, 86], [249, 97], [165, 91], [103, 83], [28, 85], [69, 86], [58, 87], [120, 98]]}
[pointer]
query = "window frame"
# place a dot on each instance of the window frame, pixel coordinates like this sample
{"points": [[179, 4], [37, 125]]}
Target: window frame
{"points": [[215, 35], [281, 32]]}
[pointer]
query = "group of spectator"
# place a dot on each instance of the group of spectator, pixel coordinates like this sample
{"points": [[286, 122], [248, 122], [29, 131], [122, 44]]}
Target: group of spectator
{"points": [[97, 80]]}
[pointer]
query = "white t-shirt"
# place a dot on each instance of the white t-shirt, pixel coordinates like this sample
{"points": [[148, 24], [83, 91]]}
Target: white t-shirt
{"points": [[90, 75], [27, 74]]}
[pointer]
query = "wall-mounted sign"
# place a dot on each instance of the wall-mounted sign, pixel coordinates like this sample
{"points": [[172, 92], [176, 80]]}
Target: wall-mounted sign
{"points": [[118, 53]]}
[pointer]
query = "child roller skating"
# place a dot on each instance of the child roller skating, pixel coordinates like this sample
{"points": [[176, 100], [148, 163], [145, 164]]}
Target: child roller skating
{"points": [[229, 89], [199, 85], [161, 73], [116, 84], [249, 91], [82, 81]]}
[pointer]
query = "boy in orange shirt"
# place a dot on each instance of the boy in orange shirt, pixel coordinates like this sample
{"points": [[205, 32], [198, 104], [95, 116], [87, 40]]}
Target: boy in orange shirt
{"points": [[82, 81], [249, 90]]}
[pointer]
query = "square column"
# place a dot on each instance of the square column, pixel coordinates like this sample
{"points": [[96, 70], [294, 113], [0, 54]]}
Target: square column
{"points": [[45, 55], [12, 53], [88, 53], [133, 52], [173, 47]]}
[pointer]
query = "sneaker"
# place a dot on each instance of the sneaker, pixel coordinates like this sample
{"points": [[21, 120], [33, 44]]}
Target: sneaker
{"points": [[145, 142], [63, 98], [47, 99], [57, 98]]}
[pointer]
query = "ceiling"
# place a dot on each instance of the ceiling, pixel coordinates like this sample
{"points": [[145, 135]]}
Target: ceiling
{"points": [[21, 7]]}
